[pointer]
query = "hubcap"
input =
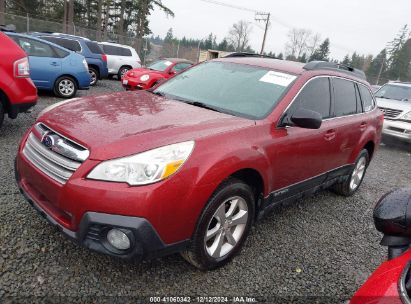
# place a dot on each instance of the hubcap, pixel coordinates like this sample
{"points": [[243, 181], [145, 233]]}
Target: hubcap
{"points": [[93, 77], [66, 87], [358, 173], [226, 227]]}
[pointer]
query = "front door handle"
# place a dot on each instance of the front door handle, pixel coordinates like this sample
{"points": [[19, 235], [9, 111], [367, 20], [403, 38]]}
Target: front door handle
{"points": [[54, 64], [329, 135], [363, 126]]}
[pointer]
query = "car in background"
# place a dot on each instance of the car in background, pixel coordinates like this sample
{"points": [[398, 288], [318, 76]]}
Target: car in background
{"points": [[53, 67], [375, 88], [394, 99], [158, 71], [391, 281], [95, 57], [120, 58], [17, 91], [189, 166]]}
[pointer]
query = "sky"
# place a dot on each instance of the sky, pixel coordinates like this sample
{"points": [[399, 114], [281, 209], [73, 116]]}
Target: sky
{"points": [[364, 26]]}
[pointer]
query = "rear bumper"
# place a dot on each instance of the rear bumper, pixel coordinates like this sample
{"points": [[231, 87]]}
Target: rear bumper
{"points": [[93, 228], [83, 80], [398, 129], [15, 109]]}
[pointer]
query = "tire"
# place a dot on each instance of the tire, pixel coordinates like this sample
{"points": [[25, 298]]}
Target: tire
{"points": [[1, 113], [232, 201], [122, 71], [65, 87], [353, 183], [95, 75]]}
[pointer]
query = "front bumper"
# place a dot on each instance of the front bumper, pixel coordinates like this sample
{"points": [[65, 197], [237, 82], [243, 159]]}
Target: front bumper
{"points": [[93, 228], [398, 129]]}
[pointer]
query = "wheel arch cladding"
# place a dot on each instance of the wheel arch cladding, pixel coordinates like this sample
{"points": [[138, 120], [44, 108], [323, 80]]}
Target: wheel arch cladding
{"points": [[252, 178], [370, 146]]}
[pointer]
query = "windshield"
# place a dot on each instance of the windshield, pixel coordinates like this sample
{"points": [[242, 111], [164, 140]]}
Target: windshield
{"points": [[395, 92], [160, 66], [237, 89]]}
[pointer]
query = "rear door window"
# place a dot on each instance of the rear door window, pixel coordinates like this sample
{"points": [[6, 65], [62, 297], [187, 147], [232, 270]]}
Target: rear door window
{"points": [[315, 96], [345, 102], [367, 100], [69, 44], [36, 48]]}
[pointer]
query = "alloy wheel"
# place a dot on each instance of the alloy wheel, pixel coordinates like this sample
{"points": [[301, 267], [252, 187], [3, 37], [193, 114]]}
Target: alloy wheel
{"points": [[66, 87], [358, 173], [93, 76], [226, 227]]}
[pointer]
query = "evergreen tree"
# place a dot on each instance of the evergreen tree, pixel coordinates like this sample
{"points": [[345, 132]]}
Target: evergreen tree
{"points": [[322, 52], [376, 72]]}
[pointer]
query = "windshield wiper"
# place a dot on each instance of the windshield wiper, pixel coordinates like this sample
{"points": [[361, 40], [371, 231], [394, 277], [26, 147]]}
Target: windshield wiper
{"points": [[158, 93], [196, 104]]}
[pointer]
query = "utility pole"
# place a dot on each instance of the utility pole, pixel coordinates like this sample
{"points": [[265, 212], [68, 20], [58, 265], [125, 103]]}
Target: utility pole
{"points": [[263, 17], [380, 71], [2, 11]]}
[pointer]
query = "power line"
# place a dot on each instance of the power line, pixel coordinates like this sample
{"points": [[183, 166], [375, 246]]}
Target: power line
{"points": [[231, 6]]}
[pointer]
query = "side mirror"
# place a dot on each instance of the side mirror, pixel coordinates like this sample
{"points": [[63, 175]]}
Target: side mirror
{"points": [[173, 72], [392, 217], [307, 119]]}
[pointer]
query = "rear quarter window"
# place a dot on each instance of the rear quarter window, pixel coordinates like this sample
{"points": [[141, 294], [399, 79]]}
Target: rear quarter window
{"points": [[94, 47], [345, 101]]}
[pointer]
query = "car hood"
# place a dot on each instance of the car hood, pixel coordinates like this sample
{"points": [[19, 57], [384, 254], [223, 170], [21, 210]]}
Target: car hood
{"points": [[394, 104], [125, 123]]}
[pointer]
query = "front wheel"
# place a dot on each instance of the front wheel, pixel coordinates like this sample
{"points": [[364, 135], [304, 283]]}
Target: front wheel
{"points": [[351, 185], [223, 227], [65, 87], [123, 70]]}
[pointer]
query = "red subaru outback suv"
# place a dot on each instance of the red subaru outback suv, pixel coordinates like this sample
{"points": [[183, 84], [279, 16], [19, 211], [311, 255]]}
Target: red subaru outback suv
{"points": [[17, 91], [190, 165]]}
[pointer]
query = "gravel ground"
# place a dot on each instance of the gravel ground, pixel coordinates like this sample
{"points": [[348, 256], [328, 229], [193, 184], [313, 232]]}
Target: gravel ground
{"points": [[325, 246]]}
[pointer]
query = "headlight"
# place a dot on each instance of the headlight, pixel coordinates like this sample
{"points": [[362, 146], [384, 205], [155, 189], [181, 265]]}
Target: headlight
{"points": [[407, 116], [85, 64], [144, 168], [53, 106], [145, 77]]}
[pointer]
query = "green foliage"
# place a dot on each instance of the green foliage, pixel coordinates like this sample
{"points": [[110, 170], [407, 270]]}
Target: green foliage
{"points": [[322, 52]]}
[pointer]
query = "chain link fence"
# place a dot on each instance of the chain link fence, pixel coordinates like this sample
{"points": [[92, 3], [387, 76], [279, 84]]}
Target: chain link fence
{"points": [[151, 51]]}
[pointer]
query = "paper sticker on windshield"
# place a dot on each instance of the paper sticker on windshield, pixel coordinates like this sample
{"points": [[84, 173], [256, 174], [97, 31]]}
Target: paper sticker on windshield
{"points": [[168, 63], [278, 78]]}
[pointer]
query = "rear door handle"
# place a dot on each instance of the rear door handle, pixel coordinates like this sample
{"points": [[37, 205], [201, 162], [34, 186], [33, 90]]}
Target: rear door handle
{"points": [[329, 135], [54, 64]]}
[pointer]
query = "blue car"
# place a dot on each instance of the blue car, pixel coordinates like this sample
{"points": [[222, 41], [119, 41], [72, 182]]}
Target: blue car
{"points": [[53, 67], [95, 57]]}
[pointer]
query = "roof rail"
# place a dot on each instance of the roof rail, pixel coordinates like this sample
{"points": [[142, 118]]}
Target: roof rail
{"points": [[243, 54], [324, 65]]}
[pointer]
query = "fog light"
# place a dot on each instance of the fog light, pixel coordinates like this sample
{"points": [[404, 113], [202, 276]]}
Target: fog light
{"points": [[118, 239]]}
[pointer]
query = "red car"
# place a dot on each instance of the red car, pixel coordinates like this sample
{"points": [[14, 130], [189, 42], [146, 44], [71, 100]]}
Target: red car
{"points": [[391, 282], [17, 91], [189, 166], [146, 78]]}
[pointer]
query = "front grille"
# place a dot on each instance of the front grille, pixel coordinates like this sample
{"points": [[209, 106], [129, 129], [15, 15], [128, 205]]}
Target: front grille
{"points": [[390, 113], [50, 160]]}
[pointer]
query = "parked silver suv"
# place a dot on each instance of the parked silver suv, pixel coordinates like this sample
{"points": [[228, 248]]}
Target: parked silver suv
{"points": [[120, 58], [394, 99]]}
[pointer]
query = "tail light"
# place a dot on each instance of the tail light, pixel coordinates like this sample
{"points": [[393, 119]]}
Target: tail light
{"points": [[22, 68], [104, 57]]}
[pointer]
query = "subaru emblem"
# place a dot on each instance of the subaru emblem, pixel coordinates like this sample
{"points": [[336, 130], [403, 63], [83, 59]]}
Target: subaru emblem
{"points": [[48, 141]]}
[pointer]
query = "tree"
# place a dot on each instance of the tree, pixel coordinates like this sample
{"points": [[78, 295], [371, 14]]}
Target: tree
{"points": [[399, 56], [377, 69], [322, 52], [239, 35], [297, 43], [2, 11]]}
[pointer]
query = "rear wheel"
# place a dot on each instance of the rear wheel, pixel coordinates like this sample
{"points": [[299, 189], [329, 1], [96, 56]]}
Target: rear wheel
{"points": [[94, 76], [223, 226], [65, 87], [351, 185], [123, 70], [1, 113]]}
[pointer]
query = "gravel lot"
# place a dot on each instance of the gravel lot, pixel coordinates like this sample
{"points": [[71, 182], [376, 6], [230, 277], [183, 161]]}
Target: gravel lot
{"points": [[325, 246]]}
